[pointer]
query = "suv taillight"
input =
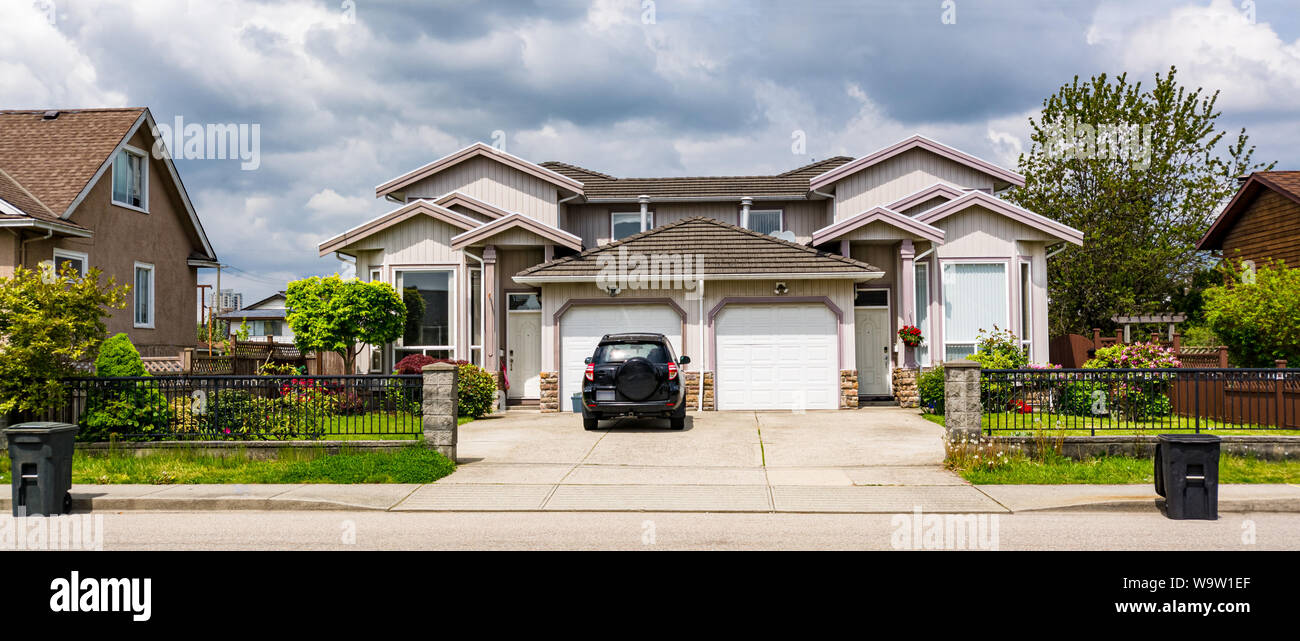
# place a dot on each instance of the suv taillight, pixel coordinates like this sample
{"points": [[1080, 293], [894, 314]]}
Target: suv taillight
{"points": [[591, 372], [672, 370]]}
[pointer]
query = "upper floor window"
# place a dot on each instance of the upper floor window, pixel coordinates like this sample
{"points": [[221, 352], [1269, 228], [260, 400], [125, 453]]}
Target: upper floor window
{"points": [[765, 221], [623, 224], [131, 179], [76, 260]]}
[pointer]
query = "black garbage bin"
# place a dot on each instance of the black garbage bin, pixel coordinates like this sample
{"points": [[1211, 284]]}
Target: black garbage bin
{"points": [[40, 458], [1187, 475]]}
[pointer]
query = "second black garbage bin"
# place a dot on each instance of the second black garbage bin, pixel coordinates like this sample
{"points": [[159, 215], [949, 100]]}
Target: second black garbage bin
{"points": [[40, 457], [1187, 475]]}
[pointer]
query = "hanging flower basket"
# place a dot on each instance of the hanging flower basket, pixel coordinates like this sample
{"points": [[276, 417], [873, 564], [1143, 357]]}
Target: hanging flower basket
{"points": [[910, 335]]}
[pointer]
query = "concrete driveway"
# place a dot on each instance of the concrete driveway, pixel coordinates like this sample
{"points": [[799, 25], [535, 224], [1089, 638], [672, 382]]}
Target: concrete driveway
{"points": [[873, 446]]}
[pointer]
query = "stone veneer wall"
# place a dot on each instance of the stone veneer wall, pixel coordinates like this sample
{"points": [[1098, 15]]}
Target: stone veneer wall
{"points": [[905, 390], [692, 382], [848, 389], [550, 392]]}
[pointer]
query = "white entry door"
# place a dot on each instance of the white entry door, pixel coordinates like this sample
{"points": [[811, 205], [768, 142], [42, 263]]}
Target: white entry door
{"points": [[582, 326], [871, 334], [524, 346], [779, 357]]}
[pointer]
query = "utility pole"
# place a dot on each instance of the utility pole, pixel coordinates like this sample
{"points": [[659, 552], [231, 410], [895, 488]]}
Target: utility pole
{"points": [[203, 302]]}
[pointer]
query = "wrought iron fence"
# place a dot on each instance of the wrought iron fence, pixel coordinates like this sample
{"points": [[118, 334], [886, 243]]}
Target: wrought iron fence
{"points": [[1087, 401], [242, 407]]}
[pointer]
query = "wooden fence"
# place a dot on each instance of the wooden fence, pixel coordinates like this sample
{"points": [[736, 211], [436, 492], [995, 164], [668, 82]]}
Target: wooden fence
{"points": [[1237, 397], [1073, 350], [245, 357]]}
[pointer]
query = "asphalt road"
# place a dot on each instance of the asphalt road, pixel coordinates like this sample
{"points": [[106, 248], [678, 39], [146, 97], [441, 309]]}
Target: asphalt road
{"points": [[251, 530]]}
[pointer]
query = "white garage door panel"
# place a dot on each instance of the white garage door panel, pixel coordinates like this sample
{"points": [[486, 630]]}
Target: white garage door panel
{"points": [[582, 326], [777, 357]]}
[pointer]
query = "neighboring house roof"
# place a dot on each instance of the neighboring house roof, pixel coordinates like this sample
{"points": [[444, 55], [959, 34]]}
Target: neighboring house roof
{"points": [[1285, 183], [883, 215], [787, 185], [937, 190], [516, 221], [908, 144], [280, 294], [58, 160], [997, 205], [478, 150], [253, 314], [397, 216], [721, 252]]}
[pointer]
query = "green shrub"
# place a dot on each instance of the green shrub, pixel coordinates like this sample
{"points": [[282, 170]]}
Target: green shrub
{"points": [[999, 349], [123, 407], [1085, 398], [929, 386], [1200, 336], [1134, 396], [476, 389], [1258, 320]]}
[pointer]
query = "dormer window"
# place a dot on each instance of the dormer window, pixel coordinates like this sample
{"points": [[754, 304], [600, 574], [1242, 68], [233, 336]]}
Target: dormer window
{"points": [[131, 179]]}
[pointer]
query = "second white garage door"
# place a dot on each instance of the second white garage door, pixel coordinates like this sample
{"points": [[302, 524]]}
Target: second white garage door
{"points": [[582, 326], [782, 356]]}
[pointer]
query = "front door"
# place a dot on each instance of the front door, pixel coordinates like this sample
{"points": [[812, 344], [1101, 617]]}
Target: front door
{"points": [[524, 346], [871, 334]]}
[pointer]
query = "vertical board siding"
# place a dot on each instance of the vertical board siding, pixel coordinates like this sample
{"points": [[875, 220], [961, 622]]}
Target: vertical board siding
{"points": [[1268, 228], [591, 222], [901, 176], [496, 184]]}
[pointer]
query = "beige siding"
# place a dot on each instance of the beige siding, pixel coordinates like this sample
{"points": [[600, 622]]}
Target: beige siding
{"points": [[591, 222], [493, 183], [901, 176], [978, 232], [418, 240], [840, 293]]}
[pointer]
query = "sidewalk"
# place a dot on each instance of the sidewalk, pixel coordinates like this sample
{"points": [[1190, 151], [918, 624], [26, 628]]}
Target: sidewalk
{"points": [[719, 496]]}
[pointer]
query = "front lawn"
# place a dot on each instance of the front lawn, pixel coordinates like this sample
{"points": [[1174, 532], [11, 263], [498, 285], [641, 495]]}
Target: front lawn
{"points": [[1115, 470], [294, 465]]}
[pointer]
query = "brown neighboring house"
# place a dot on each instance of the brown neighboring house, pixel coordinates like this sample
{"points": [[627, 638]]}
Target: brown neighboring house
{"points": [[80, 187], [1262, 221]]}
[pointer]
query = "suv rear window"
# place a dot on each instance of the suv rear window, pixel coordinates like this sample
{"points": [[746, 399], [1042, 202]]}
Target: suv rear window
{"points": [[619, 352]]}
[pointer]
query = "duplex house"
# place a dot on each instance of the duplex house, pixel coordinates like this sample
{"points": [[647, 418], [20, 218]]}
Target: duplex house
{"points": [[82, 188], [786, 291]]}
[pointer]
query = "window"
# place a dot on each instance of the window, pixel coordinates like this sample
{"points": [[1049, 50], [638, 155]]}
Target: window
{"points": [[974, 298], [264, 328], [476, 316], [524, 303], [922, 312], [376, 275], [131, 179], [623, 224], [144, 295], [765, 221], [76, 260], [620, 352], [871, 298], [1026, 306], [430, 329]]}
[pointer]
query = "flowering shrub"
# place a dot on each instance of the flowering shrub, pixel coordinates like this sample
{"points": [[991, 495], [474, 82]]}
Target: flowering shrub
{"points": [[1138, 395], [910, 335], [413, 364], [1136, 355]]}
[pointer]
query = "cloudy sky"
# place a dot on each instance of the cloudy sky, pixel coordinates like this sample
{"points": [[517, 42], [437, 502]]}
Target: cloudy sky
{"points": [[350, 93]]}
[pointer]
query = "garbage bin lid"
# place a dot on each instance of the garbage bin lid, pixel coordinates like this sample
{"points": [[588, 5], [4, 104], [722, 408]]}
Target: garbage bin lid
{"points": [[1196, 439], [41, 427]]}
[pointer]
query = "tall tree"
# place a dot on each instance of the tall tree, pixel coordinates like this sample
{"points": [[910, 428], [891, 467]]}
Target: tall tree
{"points": [[336, 315], [1141, 173]]}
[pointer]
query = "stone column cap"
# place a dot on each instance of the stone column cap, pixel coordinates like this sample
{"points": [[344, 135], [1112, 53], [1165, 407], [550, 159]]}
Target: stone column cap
{"points": [[438, 367], [961, 363]]}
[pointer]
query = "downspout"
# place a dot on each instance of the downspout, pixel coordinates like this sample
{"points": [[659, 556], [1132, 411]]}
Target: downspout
{"points": [[700, 394], [745, 202], [22, 247], [1064, 246]]}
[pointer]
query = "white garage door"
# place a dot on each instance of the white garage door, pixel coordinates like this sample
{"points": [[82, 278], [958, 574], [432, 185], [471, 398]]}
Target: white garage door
{"points": [[782, 356], [582, 326]]}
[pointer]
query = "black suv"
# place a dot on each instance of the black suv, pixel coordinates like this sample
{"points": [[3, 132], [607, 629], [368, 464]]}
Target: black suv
{"points": [[634, 374]]}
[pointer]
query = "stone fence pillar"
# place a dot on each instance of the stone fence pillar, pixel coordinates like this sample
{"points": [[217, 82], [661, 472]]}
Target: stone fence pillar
{"points": [[961, 398], [438, 404]]}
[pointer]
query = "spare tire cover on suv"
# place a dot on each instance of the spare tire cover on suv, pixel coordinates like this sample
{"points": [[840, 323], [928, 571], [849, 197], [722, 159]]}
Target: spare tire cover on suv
{"points": [[637, 379]]}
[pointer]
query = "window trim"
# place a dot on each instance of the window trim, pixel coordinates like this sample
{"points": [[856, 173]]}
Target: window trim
{"points": [[780, 217], [73, 255], [144, 184], [1024, 274], [453, 306], [917, 304], [888, 301], [135, 300], [650, 221], [1006, 275]]}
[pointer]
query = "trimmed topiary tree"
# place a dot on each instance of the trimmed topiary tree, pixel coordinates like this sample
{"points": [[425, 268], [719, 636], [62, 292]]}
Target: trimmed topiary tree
{"points": [[123, 406], [118, 357]]}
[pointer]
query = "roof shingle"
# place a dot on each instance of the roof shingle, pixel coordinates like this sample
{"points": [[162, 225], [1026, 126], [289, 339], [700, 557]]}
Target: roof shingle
{"points": [[789, 184]]}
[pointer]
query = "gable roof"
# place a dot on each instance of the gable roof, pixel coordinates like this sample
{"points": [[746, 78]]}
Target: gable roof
{"points": [[469, 202], [997, 205], [394, 217], [908, 144], [879, 214], [937, 190], [479, 150], [1284, 183], [58, 160], [516, 221], [725, 252], [792, 184]]}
